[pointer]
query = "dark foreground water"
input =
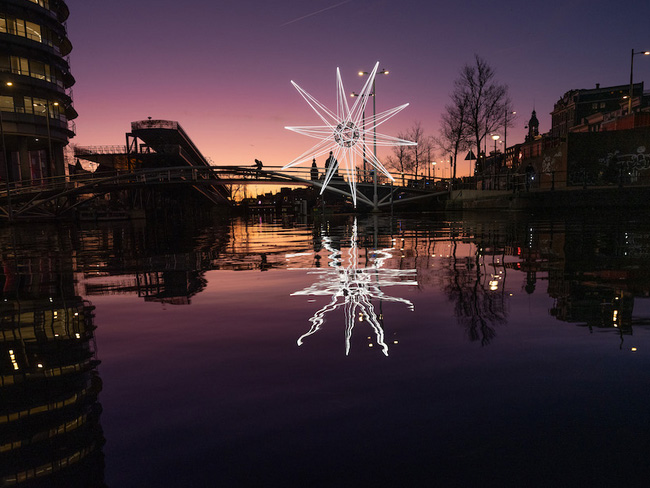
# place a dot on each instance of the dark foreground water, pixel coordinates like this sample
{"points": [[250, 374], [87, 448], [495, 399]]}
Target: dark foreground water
{"points": [[489, 351]]}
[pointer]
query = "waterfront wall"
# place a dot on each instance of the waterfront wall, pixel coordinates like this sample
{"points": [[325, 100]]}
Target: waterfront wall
{"points": [[634, 198]]}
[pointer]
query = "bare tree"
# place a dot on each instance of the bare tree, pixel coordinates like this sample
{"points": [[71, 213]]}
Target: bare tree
{"points": [[418, 152], [400, 160], [487, 100], [455, 133], [237, 192]]}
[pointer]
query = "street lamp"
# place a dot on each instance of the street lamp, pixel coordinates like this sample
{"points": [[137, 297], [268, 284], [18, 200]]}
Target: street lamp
{"points": [[495, 138], [629, 101], [354, 94], [505, 133], [374, 129]]}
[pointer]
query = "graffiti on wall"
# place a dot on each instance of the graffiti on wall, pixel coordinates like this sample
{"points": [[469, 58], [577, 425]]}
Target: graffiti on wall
{"points": [[616, 167]]}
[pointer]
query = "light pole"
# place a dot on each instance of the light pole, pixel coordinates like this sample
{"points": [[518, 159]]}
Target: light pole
{"points": [[505, 133], [4, 158], [365, 174], [495, 138], [432, 168], [629, 101], [374, 129]]}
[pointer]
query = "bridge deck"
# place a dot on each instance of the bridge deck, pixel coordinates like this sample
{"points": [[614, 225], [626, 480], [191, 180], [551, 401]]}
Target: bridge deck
{"points": [[28, 199]]}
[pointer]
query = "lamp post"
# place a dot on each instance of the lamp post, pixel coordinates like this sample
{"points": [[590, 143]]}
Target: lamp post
{"points": [[629, 101], [4, 158], [374, 129], [432, 168], [495, 138], [365, 174], [505, 133]]}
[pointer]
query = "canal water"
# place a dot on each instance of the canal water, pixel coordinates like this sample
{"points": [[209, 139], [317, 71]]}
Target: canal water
{"points": [[438, 350]]}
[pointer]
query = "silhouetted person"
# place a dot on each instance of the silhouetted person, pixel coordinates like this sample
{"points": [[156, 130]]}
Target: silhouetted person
{"points": [[332, 161], [314, 170], [530, 175], [258, 165]]}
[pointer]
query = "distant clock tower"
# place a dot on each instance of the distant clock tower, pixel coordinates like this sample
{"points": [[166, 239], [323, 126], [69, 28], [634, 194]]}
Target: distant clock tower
{"points": [[533, 127]]}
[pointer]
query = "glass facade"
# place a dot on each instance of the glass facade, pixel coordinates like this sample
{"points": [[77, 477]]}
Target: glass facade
{"points": [[42, 3], [30, 67], [35, 100], [30, 30]]}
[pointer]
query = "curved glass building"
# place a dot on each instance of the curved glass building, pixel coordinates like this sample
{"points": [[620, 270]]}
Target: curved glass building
{"points": [[35, 89]]}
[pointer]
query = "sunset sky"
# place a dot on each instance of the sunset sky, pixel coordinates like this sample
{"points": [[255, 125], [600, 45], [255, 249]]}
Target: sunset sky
{"points": [[223, 69]]}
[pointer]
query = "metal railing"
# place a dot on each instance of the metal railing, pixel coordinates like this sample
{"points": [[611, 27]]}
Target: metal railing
{"points": [[88, 150]]}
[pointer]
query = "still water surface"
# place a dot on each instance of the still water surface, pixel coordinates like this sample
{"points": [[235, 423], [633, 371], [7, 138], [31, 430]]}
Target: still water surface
{"points": [[370, 351]]}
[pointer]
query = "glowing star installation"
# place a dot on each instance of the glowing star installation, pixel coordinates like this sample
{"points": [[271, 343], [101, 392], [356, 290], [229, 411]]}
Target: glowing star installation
{"points": [[353, 288], [344, 133]]}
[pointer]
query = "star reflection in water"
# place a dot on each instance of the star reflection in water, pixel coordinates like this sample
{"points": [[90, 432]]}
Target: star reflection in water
{"points": [[353, 287]]}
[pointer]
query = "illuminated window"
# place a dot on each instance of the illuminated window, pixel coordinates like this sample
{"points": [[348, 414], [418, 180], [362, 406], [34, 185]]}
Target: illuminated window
{"points": [[40, 106], [37, 69], [42, 3], [6, 104], [33, 31], [28, 105], [20, 66]]}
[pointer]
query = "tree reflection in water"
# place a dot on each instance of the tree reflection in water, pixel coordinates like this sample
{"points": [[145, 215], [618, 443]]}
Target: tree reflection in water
{"points": [[353, 286], [478, 295]]}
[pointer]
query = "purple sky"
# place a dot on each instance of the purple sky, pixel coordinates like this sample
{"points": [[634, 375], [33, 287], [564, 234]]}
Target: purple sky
{"points": [[223, 69]]}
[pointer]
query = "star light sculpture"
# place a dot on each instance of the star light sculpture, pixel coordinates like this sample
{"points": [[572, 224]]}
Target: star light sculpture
{"points": [[353, 287], [343, 133]]}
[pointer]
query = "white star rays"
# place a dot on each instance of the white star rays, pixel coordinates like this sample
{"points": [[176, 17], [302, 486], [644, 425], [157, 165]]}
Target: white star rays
{"points": [[352, 287], [345, 134]]}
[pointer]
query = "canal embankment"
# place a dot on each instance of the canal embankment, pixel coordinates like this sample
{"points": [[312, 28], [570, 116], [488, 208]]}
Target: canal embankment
{"points": [[562, 199]]}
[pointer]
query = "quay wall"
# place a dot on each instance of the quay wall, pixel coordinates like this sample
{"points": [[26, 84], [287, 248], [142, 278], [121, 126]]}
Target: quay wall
{"points": [[565, 199]]}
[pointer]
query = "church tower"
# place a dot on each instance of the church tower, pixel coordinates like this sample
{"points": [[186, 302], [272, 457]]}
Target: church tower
{"points": [[533, 127]]}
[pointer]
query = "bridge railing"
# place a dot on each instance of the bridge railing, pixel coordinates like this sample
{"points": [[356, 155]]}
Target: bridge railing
{"points": [[88, 150], [238, 174]]}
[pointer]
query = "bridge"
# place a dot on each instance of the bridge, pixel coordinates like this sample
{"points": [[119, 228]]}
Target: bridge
{"points": [[61, 197], [160, 157]]}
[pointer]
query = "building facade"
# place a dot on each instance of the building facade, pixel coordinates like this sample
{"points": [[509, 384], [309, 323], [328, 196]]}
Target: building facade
{"points": [[577, 107], [36, 109]]}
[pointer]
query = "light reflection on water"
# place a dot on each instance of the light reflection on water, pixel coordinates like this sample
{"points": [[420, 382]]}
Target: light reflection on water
{"points": [[518, 347], [353, 285]]}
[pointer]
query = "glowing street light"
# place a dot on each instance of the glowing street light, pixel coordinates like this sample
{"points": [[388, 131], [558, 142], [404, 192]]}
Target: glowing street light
{"points": [[495, 138], [629, 101], [354, 94]]}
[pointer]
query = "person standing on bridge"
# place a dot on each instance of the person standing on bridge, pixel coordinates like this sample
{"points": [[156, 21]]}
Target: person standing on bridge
{"points": [[258, 165]]}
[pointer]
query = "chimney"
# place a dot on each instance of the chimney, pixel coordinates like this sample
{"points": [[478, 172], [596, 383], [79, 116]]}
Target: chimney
{"points": [[597, 86]]}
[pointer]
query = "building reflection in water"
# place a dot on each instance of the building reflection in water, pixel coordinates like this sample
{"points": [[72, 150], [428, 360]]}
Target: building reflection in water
{"points": [[353, 286], [50, 434], [595, 271]]}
